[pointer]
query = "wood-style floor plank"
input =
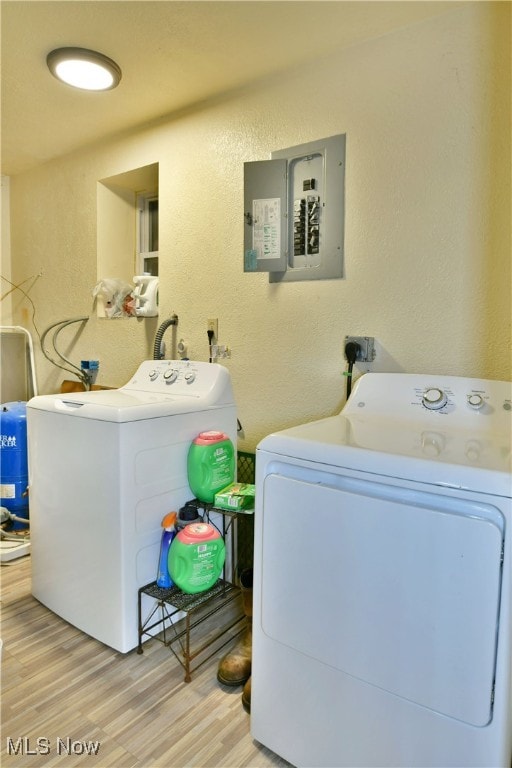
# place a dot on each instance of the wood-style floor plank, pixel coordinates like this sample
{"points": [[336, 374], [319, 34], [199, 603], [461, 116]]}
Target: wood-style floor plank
{"points": [[72, 692]]}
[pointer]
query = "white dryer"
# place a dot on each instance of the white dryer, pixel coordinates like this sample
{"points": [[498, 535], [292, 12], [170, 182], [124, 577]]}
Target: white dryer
{"points": [[382, 579], [104, 469]]}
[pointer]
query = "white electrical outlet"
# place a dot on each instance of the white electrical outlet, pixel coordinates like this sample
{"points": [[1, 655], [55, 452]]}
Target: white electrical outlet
{"points": [[212, 324]]}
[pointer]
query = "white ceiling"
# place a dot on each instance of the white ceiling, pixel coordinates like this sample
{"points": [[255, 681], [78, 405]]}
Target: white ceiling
{"points": [[174, 54]]}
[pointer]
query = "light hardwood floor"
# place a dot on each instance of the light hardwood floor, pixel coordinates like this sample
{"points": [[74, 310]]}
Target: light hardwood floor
{"points": [[70, 691]]}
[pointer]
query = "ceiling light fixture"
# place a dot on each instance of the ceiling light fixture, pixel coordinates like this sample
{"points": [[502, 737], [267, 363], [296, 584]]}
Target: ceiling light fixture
{"points": [[81, 68]]}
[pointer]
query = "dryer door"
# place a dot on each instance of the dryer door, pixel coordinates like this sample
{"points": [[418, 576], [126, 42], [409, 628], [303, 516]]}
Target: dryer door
{"points": [[403, 586]]}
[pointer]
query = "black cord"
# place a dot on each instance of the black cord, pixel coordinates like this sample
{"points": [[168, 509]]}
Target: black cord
{"points": [[210, 341], [349, 379], [352, 349]]}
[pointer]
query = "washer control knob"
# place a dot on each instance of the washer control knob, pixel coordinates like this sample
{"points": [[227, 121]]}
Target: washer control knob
{"points": [[153, 375], [189, 377], [475, 401], [434, 398], [170, 375]]}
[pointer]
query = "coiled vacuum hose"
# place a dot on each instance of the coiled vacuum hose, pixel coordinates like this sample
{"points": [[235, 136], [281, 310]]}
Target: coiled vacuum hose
{"points": [[173, 320]]}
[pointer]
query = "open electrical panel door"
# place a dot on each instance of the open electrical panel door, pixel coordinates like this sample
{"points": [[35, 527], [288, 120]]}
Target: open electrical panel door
{"points": [[294, 212], [265, 233]]}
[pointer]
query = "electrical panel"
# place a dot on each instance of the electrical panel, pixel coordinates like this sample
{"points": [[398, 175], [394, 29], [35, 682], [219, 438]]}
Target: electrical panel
{"points": [[294, 212]]}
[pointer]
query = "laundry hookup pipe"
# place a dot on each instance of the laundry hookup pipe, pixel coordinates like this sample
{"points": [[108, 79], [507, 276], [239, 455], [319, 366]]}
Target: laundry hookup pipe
{"points": [[72, 368], [173, 320]]}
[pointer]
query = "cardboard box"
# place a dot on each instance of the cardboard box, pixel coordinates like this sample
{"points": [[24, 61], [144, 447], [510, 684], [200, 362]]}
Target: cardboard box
{"points": [[237, 497]]}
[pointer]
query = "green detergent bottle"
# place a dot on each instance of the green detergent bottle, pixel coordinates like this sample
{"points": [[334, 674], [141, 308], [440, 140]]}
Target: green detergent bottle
{"points": [[196, 557], [210, 465]]}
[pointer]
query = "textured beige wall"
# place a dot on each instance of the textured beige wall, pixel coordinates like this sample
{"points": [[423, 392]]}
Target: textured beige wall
{"points": [[5, 253], [426, 111]]}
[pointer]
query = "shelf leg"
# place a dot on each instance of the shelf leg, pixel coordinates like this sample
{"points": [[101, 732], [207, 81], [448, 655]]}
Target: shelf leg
{"points": [[188, 677]]}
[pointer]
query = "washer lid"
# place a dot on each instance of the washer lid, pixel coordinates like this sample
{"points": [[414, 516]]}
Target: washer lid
{"points": [[158, 388], [118, 406]]}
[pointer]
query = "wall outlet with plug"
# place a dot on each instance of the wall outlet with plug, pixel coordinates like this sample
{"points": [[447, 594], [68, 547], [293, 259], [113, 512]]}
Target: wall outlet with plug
{"points": [[366, 352], [212, 324]]}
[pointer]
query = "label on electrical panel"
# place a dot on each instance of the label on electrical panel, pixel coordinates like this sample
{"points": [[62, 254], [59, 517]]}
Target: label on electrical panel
{"points": [[266, 238], [251, 261]]}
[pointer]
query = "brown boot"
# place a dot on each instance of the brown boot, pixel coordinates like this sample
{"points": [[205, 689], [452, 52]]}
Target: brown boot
{"points": [[235, 667], [246, 696]]}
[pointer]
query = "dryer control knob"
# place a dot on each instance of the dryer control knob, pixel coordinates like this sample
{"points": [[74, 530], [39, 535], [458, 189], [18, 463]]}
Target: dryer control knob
{"points": [[153, 374], [475, 401], [189, 377], [434, 398]]}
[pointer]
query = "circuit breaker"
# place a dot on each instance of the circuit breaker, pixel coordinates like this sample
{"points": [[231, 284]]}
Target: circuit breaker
{"points": [[294, 212]]}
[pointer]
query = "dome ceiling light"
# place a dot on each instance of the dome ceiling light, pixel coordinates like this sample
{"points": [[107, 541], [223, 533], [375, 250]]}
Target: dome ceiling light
{"points": [[81, 68]]}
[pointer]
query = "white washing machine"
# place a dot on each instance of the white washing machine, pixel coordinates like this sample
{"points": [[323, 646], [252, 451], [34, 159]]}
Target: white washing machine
{"points": [[382, 579], [104, 469]]}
